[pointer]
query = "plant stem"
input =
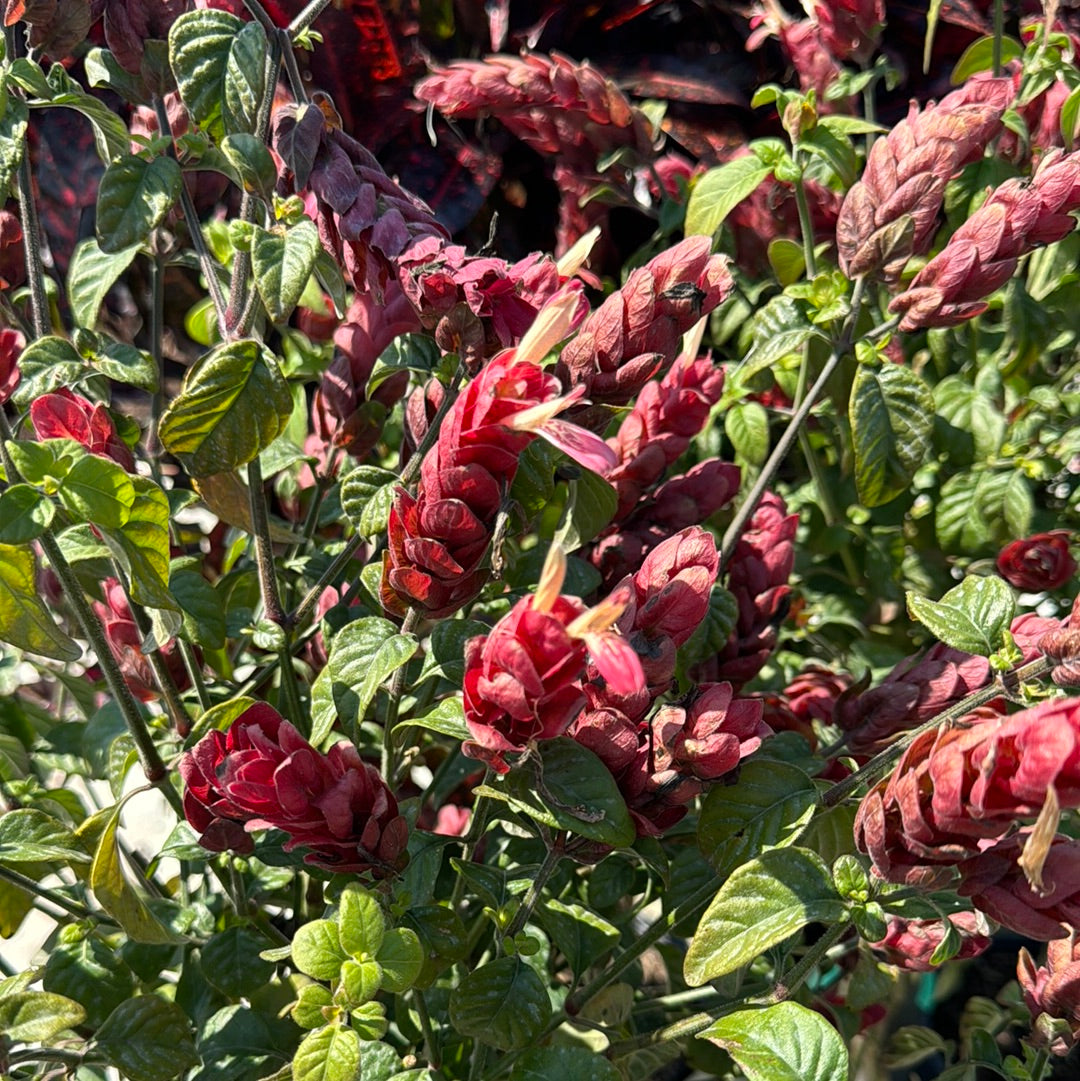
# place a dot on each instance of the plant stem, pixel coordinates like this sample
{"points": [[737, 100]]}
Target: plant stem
{"points": [[806, 227], [198, 241], [191, 663], [888, 757], [292, 69], [35, 889], [555, 853], [390, 747], [999, 33], [798, 974], [432, 1050], [481, 812], [688, 908], [768, 470], [264, 547], [678, 1030], [307, 17], [300, 615]]}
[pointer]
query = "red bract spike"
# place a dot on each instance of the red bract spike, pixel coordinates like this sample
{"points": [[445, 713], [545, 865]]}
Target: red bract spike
{"points": [[377, 49]]}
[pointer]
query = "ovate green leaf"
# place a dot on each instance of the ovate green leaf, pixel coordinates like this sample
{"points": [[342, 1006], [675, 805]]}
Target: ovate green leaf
{"points": [[716, 194], [785, 1042], [25, 622], [133, 198], [234, 403], [972, 616], [503, 1004], [763, 903]]}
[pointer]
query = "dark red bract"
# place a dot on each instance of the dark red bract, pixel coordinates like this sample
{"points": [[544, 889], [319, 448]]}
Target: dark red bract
{"points": [[1039, 562]]}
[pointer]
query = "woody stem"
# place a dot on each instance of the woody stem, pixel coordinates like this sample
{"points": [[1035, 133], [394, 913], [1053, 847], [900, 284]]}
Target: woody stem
{"points": [[891, 755]]}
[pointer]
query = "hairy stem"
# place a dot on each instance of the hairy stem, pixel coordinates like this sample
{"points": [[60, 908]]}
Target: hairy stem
{"points": [[791, 432], [264, 547], [891, 755], [307, 17], [555, 853], [391, 748], [806, 227], [796, 976], [157, 328]]}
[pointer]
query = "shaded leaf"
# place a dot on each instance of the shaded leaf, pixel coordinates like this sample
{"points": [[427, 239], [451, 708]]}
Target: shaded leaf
{"points": [[133, 198], [147, 1039], [502, 1004]]}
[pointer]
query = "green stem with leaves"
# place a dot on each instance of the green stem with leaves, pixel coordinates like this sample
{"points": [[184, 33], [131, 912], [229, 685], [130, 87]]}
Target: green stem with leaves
{"points": [[554, 856], [307, 17], [791, 432], [877, 766], [53, 897]]}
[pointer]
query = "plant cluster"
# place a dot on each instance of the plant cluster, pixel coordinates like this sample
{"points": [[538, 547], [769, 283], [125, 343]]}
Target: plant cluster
{"points": [[568, 665]]}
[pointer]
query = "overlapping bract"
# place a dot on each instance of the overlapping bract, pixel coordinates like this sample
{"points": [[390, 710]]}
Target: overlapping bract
{"points": [[910, 943], [63, 414], [758, 575], [891, 213], [957, 790], [125, 642], [524, 680], [560, 108], [262, 774], [636, 333], [984, 252], [437, 539], [1042, 561], [1052, 992]]}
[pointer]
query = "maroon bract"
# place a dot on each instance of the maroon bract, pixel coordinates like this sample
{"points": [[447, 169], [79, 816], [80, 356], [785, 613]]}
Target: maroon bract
{"points": [[125, 642], [984, 252], [262, 774], [1039, 562], [523, 681], [365, 219], [437, 539], [996, 884], [956, 788], [758, 574], [910, 944], [1053, 990], [636, 333], [64, 414], [12, 343], [906, 173]]}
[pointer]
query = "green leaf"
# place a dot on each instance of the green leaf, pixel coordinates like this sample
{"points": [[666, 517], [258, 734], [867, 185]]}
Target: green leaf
{"points": [[442, 936], [359, 982], [911, 1044], [763, 903], [979, 56], [31, 836], [402, 958], [366, 494], [141, 545], [90, 972], [785, 1042], [973, 412], [24, 514], [133, 198], [747, 426], [202, 608], [91, 274], [716, 194], [787, 259], [363, 654], [245, 79], [502, 1004], [781, 328], [233, 404], [768, 807], [200, 50], [573, 790], [932, 14], [447, 718], [282, 262], [563, 1064], [37, 1016], [231, 962], [972, 616], [251, 163], [98, 491], [590, 505], [581, 935], [147, 1039], [111, 137], [13, 126], [331, 1053], [47, 364], [118, 361], [317, 950], [25, 622], [116, 895], [361, 925], [892, 421]]}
